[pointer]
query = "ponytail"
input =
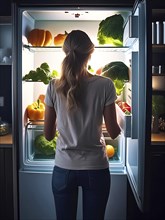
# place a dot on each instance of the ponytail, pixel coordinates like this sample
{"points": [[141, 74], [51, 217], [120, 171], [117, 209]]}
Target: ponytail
{"points": [[78, 49]]}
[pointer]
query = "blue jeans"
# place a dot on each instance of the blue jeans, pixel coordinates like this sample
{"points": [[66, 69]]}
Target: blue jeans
{"points": [[95, 191]]}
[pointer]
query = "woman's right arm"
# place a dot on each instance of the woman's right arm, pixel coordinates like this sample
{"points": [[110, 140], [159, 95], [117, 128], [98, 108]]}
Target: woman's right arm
{"points": [[111, 120]]}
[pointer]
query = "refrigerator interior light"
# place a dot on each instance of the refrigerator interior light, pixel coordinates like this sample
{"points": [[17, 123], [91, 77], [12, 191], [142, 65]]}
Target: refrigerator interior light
{"points": [[72, 14]]}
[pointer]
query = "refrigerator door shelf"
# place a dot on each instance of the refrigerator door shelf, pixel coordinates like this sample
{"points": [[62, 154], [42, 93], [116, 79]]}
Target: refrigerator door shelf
{"points": [[130, 31], [117, 161], [124, 121]]}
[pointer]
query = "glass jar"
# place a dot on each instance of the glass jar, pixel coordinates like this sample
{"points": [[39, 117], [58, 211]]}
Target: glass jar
{"points": [[4, 127]]}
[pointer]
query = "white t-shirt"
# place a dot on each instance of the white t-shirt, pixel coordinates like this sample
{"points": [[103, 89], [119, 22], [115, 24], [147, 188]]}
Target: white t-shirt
{"points": [[78, 146]]}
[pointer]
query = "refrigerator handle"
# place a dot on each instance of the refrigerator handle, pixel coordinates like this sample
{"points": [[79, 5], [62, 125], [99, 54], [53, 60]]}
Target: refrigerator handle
{"points": [[134, 99]]}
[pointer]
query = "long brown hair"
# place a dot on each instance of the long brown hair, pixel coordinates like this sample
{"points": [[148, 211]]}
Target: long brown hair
{"points": [[78, 49]]}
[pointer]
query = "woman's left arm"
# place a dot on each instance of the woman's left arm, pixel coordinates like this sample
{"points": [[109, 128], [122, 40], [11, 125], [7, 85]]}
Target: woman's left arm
{"points": [[49, 123]]}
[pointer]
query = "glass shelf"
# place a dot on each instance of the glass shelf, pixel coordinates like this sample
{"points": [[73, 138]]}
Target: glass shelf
{"points": [[59, 48]]}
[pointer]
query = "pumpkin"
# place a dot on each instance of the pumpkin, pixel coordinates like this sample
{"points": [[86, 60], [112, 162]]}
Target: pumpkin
{"points": [[48, 38], [39, 37], [59, 39]]}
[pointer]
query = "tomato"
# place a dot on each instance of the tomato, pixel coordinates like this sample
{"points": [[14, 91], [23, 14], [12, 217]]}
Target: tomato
{"points": [[124, 106], [99, 71]]}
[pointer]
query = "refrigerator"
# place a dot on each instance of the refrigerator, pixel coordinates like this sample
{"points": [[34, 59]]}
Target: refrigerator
{"points": [[132, 152]]}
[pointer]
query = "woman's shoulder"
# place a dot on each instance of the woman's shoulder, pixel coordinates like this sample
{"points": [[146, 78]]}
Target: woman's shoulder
{"points": [[52, 84], [103, 79], [53, 81]]}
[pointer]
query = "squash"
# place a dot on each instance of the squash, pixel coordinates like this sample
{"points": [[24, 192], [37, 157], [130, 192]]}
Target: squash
{"points": [[39, 37], [59, 39]]}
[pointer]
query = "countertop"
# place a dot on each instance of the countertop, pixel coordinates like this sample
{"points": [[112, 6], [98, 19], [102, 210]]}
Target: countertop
{"points": [[6, 139], [159, 137]]}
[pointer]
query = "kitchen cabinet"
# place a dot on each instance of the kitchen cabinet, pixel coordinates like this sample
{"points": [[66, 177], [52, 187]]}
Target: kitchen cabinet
{"points": [[158, 77], [5, 8], [6, 182], [156, 189], [157, 155], [6, 68], [158, 182], [6, 150], [5, 40]]}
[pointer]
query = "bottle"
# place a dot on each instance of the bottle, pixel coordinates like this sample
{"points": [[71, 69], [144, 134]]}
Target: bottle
{"points": [[160, 69], [159, 32], [163, 32], [153, 33]]}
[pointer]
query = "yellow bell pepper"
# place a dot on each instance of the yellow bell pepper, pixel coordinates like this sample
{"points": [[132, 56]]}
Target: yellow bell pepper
{"points": [[36, 110]]}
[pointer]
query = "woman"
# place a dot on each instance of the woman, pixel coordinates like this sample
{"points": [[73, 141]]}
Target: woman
{"points": [[75, 106]]}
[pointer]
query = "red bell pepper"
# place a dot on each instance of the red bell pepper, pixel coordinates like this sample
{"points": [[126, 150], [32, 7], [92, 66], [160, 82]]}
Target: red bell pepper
{"points": [[124, 106]]}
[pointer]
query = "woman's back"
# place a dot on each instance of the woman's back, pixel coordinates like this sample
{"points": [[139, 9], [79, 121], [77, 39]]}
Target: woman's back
{"points": [[81, 129]]}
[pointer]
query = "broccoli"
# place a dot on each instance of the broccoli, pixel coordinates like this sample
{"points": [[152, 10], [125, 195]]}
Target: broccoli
{"points": [[111, 31], [44, 146], [118, 72], [41, 73]]}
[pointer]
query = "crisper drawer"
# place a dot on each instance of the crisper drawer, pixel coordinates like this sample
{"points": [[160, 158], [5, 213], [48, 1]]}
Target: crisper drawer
{"points": [[124, 121], [37, 148]]}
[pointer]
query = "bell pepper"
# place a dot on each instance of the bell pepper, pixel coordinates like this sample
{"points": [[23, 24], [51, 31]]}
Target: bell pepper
{"points": [[36, 110], [124, 107]]}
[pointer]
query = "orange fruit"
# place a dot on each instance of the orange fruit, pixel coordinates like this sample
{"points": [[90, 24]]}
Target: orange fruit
{"points": [[110, 150]]}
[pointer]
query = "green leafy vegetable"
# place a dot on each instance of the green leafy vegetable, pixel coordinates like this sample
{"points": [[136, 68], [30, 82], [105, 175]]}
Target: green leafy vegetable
{"points": [[54, 74], [158, 105], [41, 73], [111, 31], [90, 69], [118, 72], [44, 146], [45, 67]]}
